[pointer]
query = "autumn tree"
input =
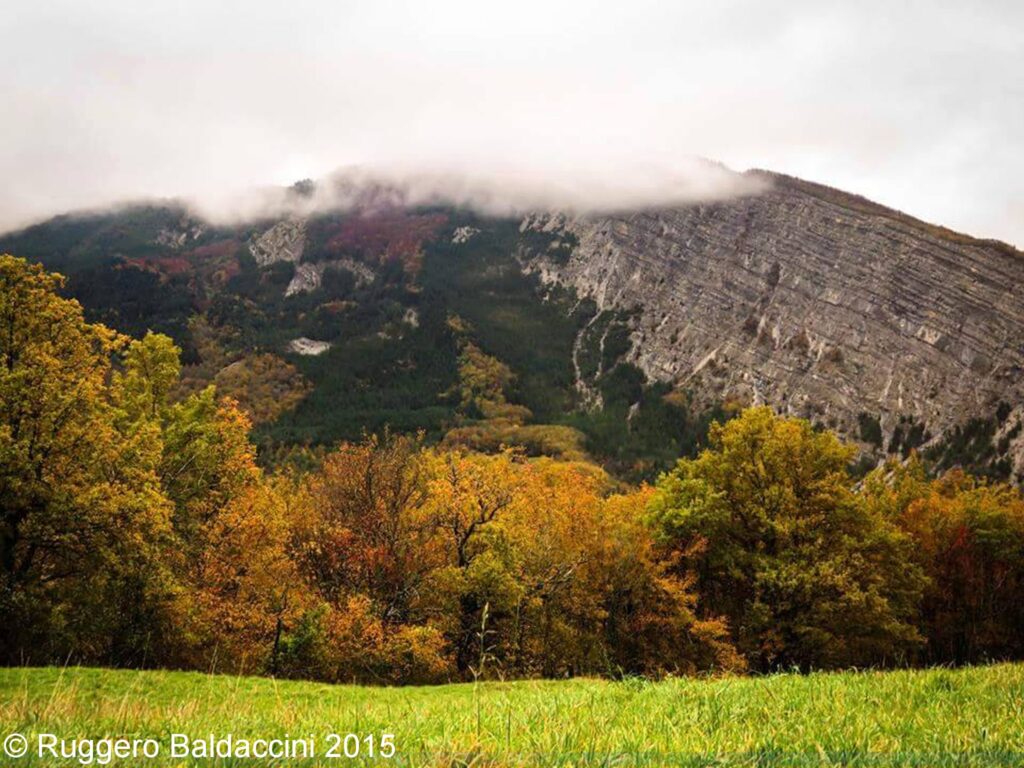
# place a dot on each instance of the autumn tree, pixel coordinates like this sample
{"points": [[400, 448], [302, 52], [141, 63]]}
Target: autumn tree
{"points": [[548, 571], [594, 591], [114, 496], [806, 574], [237, 586], [364, 542], [245, 589], [552, 528], [969, 539], [483, 381], [362, 529], [82, 512], [264, 385], [654, 620], [488, 423], [467, 493]]}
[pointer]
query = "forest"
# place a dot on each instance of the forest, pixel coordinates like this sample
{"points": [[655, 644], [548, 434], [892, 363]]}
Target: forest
{"points": [[137, 529]]}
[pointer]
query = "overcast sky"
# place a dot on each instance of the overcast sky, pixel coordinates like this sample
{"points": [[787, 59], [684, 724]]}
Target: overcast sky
{"points": [[916, 105]]}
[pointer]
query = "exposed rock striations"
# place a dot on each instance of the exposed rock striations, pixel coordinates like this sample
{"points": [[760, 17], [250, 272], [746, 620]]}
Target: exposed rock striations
{"points": [[815, 301], [284, 241]]}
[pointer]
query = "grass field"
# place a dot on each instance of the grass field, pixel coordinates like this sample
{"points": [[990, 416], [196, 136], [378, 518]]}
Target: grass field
{"points": [[968, 717]]}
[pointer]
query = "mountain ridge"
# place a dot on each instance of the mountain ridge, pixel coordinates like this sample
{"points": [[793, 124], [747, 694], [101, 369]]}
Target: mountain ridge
{"points": [[854, 200], [800, 298], [899, 333]]}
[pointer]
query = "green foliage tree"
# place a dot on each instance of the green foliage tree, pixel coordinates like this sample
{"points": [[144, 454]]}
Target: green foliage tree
{"points": [[780, 544]]}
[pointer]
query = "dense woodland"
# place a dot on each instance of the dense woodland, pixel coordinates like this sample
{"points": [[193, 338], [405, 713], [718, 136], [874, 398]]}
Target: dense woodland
{"points": [[138, 529], [398, 341]]}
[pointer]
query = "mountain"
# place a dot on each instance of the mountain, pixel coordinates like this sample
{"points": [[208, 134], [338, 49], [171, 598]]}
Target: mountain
{"points": [[818, 302], [616, 335]]}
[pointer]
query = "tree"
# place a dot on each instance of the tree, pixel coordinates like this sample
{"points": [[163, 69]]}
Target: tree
{"points": [[207, 459], [151, 370], [651, 622], [595, 594], [805, 573], [80, 505], [365, 543], [483, 381], [467, 492], [361, 529], [969, 539], [264, 385], [245, 589], [547, 574]]}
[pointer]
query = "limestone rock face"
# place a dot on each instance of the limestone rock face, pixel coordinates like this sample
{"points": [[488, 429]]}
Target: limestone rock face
{"points": [[309, 276], [306, 346], [284, 241], [186, 232], [817, 302], [362, 273], [464, 234], [1010, 439]]}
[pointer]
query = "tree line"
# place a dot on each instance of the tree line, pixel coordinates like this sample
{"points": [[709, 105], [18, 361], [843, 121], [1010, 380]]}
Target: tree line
{"points": [[137, 529]]}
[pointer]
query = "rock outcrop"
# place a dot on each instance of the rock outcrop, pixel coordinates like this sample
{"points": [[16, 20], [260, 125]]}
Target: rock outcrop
{"points": [[464, 234], [1009, 441], [186, 231], [818, 302], [305, 346], [284, 241], [309, 276]]}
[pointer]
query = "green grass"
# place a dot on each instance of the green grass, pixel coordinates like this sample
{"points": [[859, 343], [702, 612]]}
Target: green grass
{"points": [[966, 717]]}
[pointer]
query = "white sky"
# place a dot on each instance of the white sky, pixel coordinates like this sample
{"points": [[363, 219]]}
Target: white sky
{"points": [[918, 105]]}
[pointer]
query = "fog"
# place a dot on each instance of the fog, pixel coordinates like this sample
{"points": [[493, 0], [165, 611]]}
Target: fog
{"points": [[496, 190], [529, 104]]}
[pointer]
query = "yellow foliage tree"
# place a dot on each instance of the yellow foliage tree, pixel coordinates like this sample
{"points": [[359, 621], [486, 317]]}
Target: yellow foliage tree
{"points": [[81, 505]]}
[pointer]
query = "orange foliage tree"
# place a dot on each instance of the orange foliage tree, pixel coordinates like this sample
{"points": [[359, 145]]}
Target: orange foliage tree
{"points": [[969, 541]]}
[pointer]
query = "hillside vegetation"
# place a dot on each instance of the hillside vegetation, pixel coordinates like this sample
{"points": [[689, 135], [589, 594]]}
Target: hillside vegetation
{"points": [[377, 288], [387, 315], [138, 529]]}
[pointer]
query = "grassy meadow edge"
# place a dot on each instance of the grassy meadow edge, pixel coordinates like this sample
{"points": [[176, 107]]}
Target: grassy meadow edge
{"points": [[934, 717]]}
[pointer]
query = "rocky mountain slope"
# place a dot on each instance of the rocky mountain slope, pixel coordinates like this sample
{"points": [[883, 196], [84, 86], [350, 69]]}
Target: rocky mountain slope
{"points": [[817, 302], [626, 331]]}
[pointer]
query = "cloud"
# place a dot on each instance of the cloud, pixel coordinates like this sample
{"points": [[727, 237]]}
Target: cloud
{"points": [[588, 103], [492, 190]]}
